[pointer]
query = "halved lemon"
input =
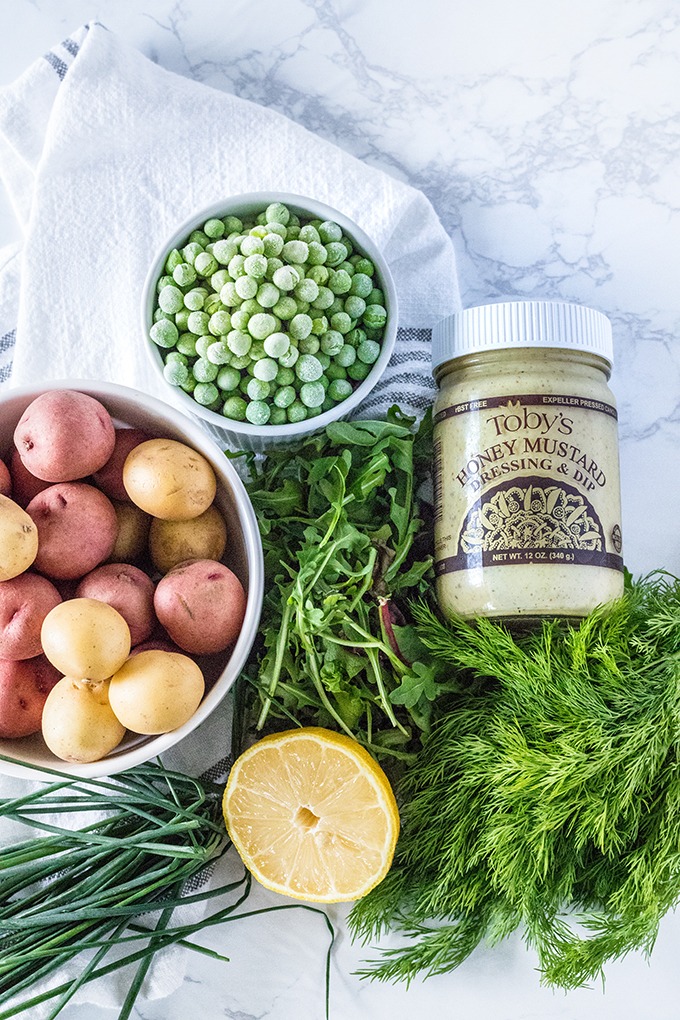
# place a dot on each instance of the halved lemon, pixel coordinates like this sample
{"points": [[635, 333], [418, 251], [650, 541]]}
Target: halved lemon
{"points": [[312, 815]]}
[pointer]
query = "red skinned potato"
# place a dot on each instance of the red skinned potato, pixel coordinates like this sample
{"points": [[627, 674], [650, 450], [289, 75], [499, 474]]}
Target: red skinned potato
{"points": [[77, 529], [24, 686], [64, 435], [24, 485], [109, 478], [201, 605], [5, 480], [25, 601], [129, 590]]}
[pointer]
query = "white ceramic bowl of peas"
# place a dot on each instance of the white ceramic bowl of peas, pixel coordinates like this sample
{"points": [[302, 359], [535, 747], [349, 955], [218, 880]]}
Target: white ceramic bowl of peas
{"points": [[269, 315]]}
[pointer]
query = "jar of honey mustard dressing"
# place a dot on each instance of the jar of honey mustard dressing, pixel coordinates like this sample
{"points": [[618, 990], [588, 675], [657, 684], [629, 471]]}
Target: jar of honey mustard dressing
{"points": [[527, 492]]}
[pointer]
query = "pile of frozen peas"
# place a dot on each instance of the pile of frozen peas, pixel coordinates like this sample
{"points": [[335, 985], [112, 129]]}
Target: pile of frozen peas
{"points": [[271, 319]]}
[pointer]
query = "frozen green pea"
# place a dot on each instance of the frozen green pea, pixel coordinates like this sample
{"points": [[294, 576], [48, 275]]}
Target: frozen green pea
{"points": [[232, 224], [235, 267], [224, 251], [365, 267], [286, 278], [203, 343], [234, 408], [205, 264], [272, 265], [258, 389], [300, 326], [195, 299], [190, 251], [239, 342], [295, 251], [297, 412], [368, 351], [312, 394], [286, 307], [355, 336], [342, 322], [257, 350], [259, 230], [246, 287], [319, 325], [190, 385], [229, 295], [243, 384], [376, 297], [213, 304], [324, 299], [307, 290], [251, 307], [228, 378], [336, 252], [214, 228], [184, 274], [318, 273], [276, 344], [308, 233], [204, 370], [171, 299], [206, 393], [346, 356], [355, 306], [290, 358], [339, 389], [267, 295], [292, 232], [337, 306], [272, 245], [375, 316], [372, 333], [198, 237], [284, 376], [277, 212], [327, 405], [347, 267], [218, 280], [164, 281], [362, 285], [256, 266], [164, 333], [329, 231], [239, 318], [317, 254], [182, 319], [175, 373], [358, 371], [239, 361], [198, 323], [258, 412], [314, 412], [308, 368], [335, 371], [186, 344], [176, 357], [276, 228], [278, 416], [219, 323], [309, 345], [261, 325], [303, 307], [251, 245], [218, 353], [284, 396], [173, 259], [324, 360], [265, 369], [339, 282]]}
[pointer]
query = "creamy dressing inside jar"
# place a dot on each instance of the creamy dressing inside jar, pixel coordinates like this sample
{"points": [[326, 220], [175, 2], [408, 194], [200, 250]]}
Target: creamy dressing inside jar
{"points": [[527, 492]]}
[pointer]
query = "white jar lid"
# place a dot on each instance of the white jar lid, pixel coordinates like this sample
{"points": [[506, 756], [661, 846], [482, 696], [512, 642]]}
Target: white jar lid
{"points": [[522, 324]]}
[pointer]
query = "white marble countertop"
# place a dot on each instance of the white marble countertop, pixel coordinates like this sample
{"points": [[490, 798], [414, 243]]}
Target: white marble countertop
{"points": [[547, 137]]}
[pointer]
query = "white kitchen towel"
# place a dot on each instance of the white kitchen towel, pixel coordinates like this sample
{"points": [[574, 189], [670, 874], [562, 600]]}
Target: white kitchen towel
{"points": [[102, 154]]}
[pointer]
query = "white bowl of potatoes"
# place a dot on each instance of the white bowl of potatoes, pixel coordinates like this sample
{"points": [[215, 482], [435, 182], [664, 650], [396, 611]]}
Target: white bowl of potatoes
{"points": [[131, 578]]}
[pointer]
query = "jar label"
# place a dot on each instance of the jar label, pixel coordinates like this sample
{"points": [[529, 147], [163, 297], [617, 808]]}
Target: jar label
{"points": [[528, 478]]}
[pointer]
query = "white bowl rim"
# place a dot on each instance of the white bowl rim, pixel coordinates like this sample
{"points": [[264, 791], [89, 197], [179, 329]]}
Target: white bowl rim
{"points": [[296, 203], [139, 754]]}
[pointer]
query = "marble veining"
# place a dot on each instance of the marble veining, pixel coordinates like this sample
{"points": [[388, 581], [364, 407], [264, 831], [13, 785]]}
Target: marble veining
{"points": [[547, 138]]}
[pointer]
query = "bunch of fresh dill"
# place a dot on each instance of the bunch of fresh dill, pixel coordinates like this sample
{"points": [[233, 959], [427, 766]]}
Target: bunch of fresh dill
{"points": [[547, 797]]}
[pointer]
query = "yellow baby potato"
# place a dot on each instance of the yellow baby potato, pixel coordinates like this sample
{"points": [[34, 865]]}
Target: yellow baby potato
{"points": [[168, 479], [156, 691], [77, 721], [18, 539], [202, 538], [85, 638]]}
